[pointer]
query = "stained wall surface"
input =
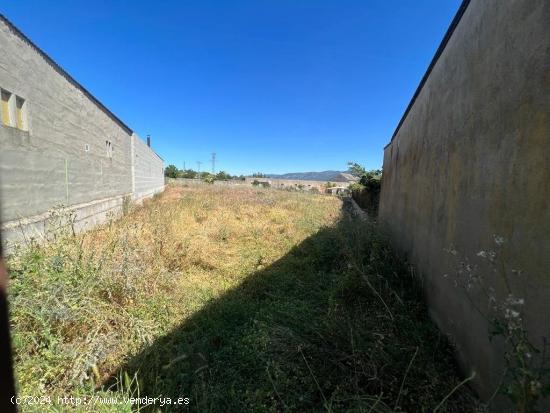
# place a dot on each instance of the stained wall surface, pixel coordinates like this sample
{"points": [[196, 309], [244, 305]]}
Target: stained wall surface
{"points": [[470, 164]]}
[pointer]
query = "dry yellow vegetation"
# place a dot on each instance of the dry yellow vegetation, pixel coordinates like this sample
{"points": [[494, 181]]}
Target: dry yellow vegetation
{"points": [[241, 299], [93, 300]]}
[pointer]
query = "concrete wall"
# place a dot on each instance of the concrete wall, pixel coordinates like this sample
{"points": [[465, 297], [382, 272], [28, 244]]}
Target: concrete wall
{"points": [[61, 157], [471, 159], [62, 120], [148, 170]]}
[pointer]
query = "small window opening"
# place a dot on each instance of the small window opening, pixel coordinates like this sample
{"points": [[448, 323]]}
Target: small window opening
{"points": [[5, 103], [109, 148], [21, 113]]}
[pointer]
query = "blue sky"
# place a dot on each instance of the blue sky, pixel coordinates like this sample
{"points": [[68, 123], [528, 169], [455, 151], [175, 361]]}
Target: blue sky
{"points": [[269, 85]]}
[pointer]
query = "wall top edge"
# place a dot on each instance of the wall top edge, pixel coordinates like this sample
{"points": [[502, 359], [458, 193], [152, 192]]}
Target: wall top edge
{"points": [[454, 23], [65, 74]]}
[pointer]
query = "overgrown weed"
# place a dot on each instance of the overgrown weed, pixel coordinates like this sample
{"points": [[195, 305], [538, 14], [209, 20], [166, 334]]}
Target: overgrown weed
{"points": [[499, 294], [271, 301]]}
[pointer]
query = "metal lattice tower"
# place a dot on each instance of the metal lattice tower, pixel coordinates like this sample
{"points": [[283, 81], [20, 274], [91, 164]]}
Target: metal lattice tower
{"points": [[213, 163]]}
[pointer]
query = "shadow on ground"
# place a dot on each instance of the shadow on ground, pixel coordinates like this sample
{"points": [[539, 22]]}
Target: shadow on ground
{"points": [[335, 325]]}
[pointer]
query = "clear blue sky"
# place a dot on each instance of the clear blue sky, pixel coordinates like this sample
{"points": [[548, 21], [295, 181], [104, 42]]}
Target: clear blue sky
{"points": [[270, 85]]}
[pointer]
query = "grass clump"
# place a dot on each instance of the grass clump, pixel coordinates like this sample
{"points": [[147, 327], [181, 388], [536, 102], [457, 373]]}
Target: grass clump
{"points": [[241, 299]]}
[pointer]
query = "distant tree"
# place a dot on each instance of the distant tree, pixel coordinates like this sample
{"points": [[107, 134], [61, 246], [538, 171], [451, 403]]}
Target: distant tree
{"points": [[171, 171], [356, 186], [223, 176], [242, 177], [367, 191], [189, 174], [356, 170], [258, 175], [365, 177]]}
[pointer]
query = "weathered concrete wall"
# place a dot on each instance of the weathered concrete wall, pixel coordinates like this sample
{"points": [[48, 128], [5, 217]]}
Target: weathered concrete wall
{"points": [[148, 170], [471, 160], [61, 122], [62, 158]]}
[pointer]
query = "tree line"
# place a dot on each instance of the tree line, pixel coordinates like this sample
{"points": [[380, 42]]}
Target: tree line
{"points": [[366, 192], [172, 171]]}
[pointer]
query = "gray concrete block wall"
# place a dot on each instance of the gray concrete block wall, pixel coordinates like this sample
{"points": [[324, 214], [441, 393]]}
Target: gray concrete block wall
{"points": [[62, 121], [62, 159], [148, 170], [472, 160]]}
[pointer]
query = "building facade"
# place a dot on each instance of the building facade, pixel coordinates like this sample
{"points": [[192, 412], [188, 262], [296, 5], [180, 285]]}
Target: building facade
{"points": [[61, 146]]}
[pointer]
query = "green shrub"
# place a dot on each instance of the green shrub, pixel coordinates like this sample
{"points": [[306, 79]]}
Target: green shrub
{"points": [[209, 179], [366, 192], [171, 171]]}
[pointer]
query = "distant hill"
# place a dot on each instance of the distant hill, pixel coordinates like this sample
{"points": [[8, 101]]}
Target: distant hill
{"points": [[333, 176]]}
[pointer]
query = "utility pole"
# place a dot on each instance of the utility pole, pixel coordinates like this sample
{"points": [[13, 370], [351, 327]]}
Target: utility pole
{"points": [[213, 163], [199, 169], [184, 165]]}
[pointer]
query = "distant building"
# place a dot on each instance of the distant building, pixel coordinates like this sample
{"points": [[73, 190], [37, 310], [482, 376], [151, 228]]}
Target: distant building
{"points": [[338, 190]]}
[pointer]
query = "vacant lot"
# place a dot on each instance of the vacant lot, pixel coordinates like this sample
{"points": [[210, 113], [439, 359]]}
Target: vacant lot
{"points": [[239, 299]]}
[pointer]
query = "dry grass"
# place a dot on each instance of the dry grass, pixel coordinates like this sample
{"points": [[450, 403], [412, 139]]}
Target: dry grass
{"points": [[242, 299], [81, 306]]}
